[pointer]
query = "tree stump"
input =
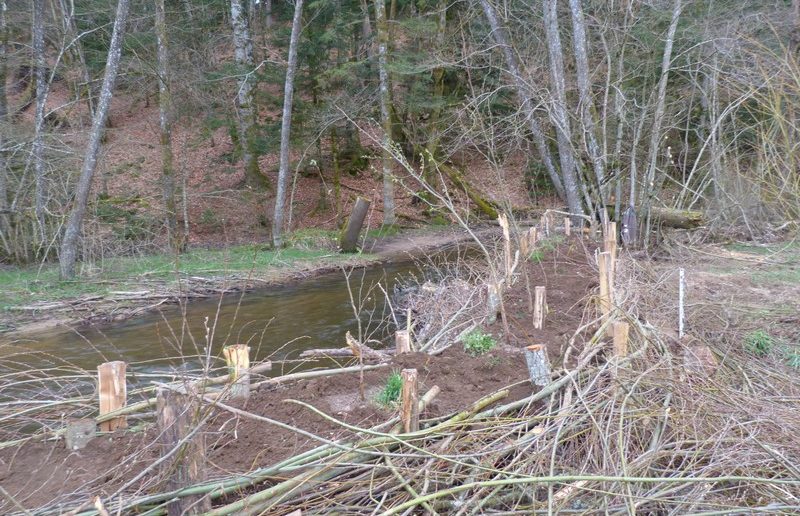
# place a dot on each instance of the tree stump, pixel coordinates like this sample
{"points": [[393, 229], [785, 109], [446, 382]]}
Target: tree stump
{"points": [[538, 364], [402, 341], [539, 307], [409, 401], [177, 416], [238, 359], [349, 239], [113, 393]]}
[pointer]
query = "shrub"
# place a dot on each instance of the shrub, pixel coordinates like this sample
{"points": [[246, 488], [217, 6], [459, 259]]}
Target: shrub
{"points": [[759, 342], [477, 343], [391, 390]]}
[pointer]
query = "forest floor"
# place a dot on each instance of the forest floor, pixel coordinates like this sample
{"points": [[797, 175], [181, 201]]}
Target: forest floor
{"points": [[35, 299]]}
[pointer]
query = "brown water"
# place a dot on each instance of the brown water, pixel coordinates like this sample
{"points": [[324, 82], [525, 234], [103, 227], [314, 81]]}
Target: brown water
{"points": [[278, 323]]}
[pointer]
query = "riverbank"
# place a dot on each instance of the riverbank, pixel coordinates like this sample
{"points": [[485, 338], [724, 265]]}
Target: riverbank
{"points": [[33, 300]]}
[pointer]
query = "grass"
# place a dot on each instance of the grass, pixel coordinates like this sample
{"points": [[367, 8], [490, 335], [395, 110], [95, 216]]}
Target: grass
{"points": [[759, 342], [30, 284], [477, 343], [391, 390], [384, 231]]}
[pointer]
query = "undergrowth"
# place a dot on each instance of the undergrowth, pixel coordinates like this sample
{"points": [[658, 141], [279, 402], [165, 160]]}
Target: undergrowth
{"points": [[391, 390], [477, 343]]}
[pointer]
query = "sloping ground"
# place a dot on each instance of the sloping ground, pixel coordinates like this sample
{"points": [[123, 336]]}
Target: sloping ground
{"points": [[41, 473]]}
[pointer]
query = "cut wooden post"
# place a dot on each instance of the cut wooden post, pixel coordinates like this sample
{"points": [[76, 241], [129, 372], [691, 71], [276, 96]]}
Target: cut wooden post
{"points": [[349, 239], [567, 226], [538, 364], [78, 433], [620, 331], [502, 219], [539, 307], [176, 415], [238, 359], [113, 393], [409, 406], [402, 342], [610, 246], [527, 242], [604, 300], [493, 301], [546, 224]]}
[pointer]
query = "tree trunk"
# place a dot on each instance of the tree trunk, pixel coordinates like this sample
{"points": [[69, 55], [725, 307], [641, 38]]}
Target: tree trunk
{"points": [[69, 246], [165, 122], [71, 32], [431, 149], [525, 98], [245, 105], [559, 111], [41, 98], [366, 27], [386, 121], [286, 126], [348, 241], [650, 187], [585, 102]]}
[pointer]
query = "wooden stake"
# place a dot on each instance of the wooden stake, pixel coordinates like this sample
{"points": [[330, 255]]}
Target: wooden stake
{"points": [[402, 342], [539, 307], [113, 393], [620, 331], [79, 432], [349, 239], [567, 226], [493, 301], [502, 219], [681, 294], [238, 360], [538, 364], [546, 224], [604, 300], [409, 407], [176, 415]]}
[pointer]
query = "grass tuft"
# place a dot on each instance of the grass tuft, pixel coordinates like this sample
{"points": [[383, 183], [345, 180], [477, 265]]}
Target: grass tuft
{"points": [[477, 343], [391, 390]]}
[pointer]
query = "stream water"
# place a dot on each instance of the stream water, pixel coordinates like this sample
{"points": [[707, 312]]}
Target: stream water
{"points": [[277, 323]]}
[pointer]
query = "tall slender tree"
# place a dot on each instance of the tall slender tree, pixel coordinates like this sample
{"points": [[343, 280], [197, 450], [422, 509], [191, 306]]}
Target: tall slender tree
{"points": [[3, 115], [286, 126], [245, 98], [165, 113], [69, 246], [523, 93], [382, 28], [40, 79], [558, 108]]}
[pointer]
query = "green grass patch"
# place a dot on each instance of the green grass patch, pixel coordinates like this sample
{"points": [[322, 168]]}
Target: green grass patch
{"points": [[391, 390], [759, 342], [30, 284], [477, 343], [384, 231]]}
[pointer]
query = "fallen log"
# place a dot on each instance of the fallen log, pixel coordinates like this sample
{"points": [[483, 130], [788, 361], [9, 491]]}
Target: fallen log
{"points": [[679, 219]]}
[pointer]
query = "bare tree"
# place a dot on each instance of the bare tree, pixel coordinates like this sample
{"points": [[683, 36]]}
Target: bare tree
{"points": [[245, 101], [382, 28], [585, 101], [559, 109], [651, 185], [286, 125], [523, 92], [69, 246], [41, 98], [165, 123]]}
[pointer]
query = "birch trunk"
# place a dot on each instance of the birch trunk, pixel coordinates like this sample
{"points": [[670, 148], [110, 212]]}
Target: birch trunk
{"points": [[386, 121], [41, 99], [245, 105], [165, 123], [559, 110], [286, 126], [69, 245], [585, 102], [528, 110]]}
